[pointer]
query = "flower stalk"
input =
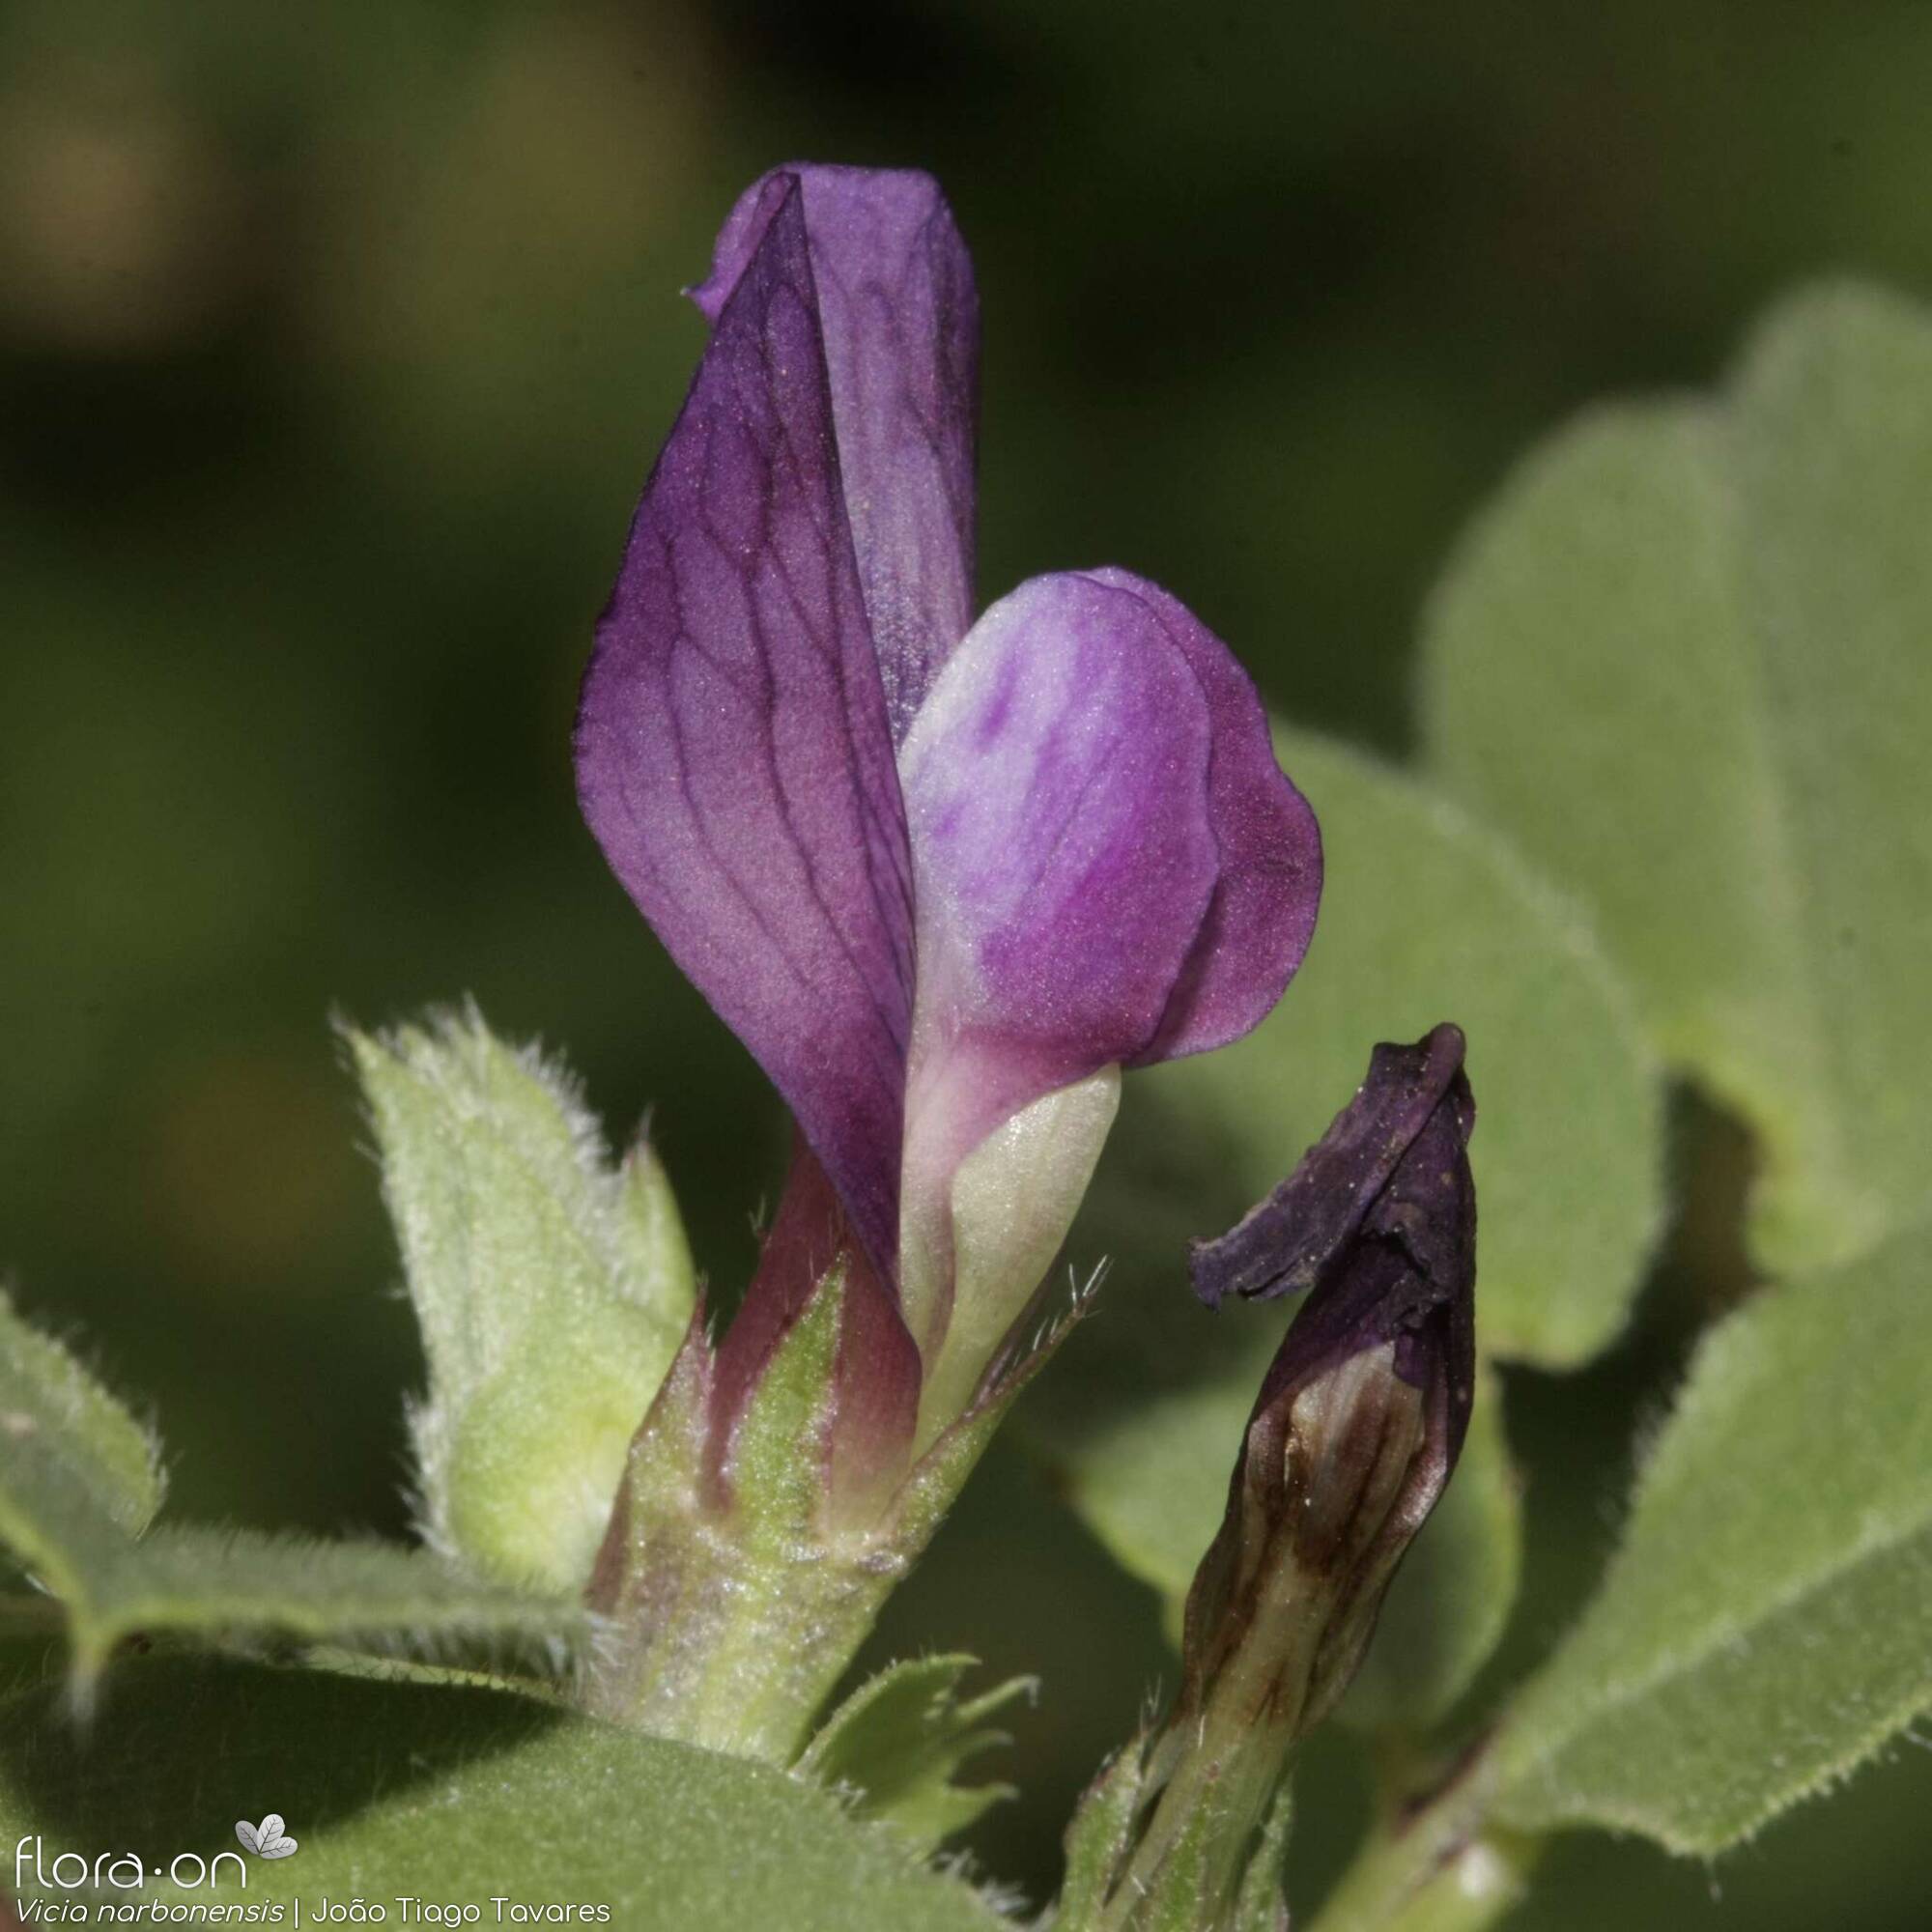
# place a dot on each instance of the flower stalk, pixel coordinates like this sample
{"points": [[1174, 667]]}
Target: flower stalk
{"points": [[1434, 1866]]}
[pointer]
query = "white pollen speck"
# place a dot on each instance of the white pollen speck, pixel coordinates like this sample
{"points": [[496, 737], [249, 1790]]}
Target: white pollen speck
{"points": [[1480, 1872]]}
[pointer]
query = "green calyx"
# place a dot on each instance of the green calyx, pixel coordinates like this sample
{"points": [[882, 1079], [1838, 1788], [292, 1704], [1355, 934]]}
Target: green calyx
{"points": [[736, 1588]]}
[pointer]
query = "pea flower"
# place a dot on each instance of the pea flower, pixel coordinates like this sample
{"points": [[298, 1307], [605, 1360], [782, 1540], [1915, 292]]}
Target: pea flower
{"points": [[943, 877]]}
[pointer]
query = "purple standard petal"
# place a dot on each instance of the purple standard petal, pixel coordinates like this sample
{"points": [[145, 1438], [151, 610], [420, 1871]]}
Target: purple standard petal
{"points": [[733, 756], [901, 320], [1269, 883]]}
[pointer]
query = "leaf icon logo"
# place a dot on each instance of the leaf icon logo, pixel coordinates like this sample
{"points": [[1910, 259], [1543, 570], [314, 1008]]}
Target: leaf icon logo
{"points": [[268, 1839]]}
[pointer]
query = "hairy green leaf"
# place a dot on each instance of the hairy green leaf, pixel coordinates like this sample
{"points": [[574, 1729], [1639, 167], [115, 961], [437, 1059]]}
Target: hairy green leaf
{"points": [[458, 1796], [899, 1739], [66, 1444], [1686, 662], [1764, 1626], [240, 1585], [552, 1291], [78, 1479]]}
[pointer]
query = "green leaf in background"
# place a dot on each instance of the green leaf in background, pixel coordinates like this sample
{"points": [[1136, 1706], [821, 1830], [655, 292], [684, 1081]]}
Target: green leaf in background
{"points": [[553, 1291], [1764, 1626], [62, 1435], [1152, 1483], [1685, 663], [1427, 917], [455, 1795], [899, 1739], [236, 1586], [80, 1479]]}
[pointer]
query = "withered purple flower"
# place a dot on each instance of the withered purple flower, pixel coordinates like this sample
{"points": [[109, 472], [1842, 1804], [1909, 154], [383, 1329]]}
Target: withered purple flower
{"points": [[1379, 1219], [942, 877], [1349, 1447], [1362, 1413]]}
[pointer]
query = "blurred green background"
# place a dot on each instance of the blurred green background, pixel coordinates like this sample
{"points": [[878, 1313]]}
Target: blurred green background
{"points": [[334, 344]]}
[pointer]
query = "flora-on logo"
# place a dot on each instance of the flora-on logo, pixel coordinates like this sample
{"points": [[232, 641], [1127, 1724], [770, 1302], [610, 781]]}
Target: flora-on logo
{"points": [[36, 1869], [268, 1839]]}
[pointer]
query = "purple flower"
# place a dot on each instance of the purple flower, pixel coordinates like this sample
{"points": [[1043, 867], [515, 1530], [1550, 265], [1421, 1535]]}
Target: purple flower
{"points": [[942, 877]]}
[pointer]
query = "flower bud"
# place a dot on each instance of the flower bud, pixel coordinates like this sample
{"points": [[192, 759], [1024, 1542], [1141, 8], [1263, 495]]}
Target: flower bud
{"points": [[1349, 1446], [1363, 1412]]}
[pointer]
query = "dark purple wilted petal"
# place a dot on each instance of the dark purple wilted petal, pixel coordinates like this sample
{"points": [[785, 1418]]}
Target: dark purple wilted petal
{"points": [[1379, 1221], [1347, 1449], [900, 321], [1283, 1245], [733, 756], [1268, 881]]}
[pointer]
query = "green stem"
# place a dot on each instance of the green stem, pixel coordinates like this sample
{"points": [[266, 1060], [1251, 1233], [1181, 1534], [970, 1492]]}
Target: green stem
{"points": [[743, 1643], [1435, 1867], [1222, 1765]]}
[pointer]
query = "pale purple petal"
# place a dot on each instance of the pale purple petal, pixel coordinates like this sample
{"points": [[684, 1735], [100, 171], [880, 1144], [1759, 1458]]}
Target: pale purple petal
{"points": [[1057, 786], [900, 321], [733, 755], [1262, 915], [1110, 868]]}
